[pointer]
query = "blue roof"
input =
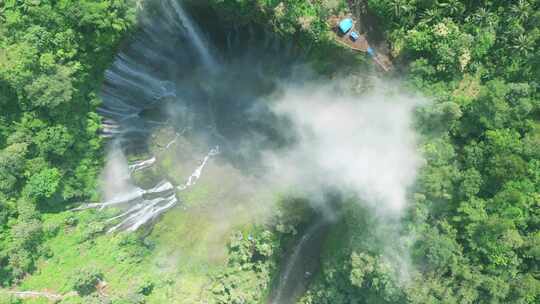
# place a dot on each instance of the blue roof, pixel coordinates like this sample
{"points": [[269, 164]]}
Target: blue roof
{"points": [[354, 36], [345, 25], [370, 51]]}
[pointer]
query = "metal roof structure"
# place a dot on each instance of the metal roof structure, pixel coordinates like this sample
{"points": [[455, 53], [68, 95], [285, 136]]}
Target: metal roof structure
{"points": [[345, 25]]}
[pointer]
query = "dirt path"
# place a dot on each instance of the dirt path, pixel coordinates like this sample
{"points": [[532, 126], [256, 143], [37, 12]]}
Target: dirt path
{"points": [[53, 297]]}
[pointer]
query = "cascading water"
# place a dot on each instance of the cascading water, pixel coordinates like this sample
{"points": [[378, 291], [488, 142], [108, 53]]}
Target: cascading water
{"points": [[196, 38], [125, 122], [141, 165], [194, 177], [145, 205], [167, 76]]}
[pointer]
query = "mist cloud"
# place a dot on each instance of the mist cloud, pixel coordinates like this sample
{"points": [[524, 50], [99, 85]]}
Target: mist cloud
{"points": [[361, 144], [115, 175]]}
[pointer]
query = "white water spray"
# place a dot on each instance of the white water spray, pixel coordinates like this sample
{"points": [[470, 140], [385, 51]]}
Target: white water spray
{"points": [[196, 37], [141, 165], [192, 179], [143, 205]]}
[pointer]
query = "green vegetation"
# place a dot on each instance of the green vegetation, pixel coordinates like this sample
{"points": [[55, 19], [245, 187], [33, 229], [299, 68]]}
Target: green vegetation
{"points": [[85, 280], [475, 217], [52, 58], [472, 228]]}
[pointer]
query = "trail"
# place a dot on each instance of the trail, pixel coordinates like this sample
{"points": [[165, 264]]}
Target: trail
{"points": [[37, 294]]}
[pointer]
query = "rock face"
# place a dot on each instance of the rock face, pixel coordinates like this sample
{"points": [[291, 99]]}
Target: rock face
{"points": [[133, 92], [170, 76]]}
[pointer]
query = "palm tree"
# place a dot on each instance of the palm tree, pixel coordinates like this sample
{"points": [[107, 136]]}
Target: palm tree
{"points": [[401, 7], [483, 16], [521, 10], [23, 5], [523, 44], [514, 29], [431, 15], [453, 7]]}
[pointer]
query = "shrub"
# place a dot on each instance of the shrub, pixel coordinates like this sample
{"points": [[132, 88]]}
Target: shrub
{"points": [[146, 288], [84, 280]]}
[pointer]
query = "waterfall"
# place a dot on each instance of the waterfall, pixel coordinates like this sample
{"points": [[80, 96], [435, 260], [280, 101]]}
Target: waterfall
{"points": [[192, 179], [195, 36], [145, 205], [141, 165], [157, 81]]}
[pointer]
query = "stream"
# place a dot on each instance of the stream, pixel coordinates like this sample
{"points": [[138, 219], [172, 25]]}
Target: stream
{"points": [[301, 264]]}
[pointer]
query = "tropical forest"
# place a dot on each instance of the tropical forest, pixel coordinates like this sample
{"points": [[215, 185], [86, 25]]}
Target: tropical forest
{"points": [[270, 151]]}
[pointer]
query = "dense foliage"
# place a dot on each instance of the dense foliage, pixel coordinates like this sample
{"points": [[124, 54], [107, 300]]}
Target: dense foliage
{"points": [[473, 230], [52, 58], [475, 220], [286, 17]]}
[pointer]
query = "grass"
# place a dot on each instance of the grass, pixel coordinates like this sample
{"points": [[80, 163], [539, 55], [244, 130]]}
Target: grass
{"points": [[185, 249], [187, 252], [72, 249], [185, 256]]}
